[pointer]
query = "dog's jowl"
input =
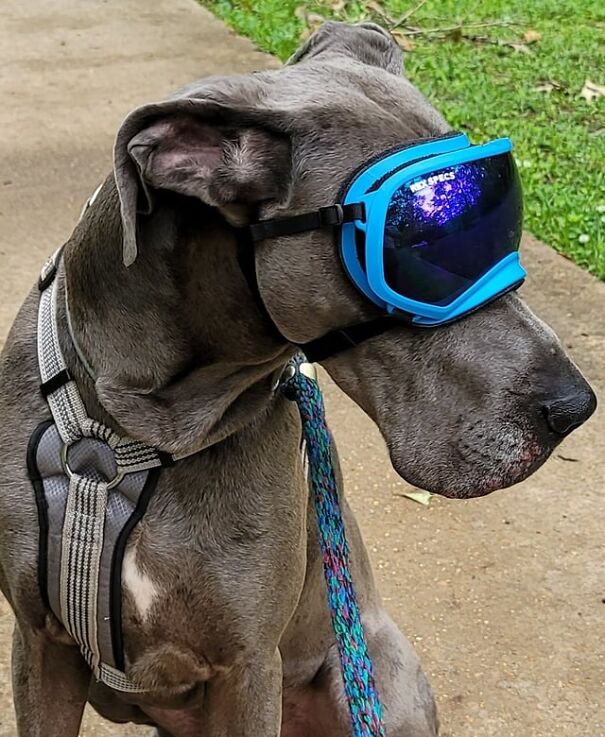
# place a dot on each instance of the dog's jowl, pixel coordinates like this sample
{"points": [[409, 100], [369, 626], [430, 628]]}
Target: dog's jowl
{"points": [[158, 546]]}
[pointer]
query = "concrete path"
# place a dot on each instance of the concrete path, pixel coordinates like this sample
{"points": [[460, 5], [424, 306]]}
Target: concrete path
{"points": [[503, 597]]}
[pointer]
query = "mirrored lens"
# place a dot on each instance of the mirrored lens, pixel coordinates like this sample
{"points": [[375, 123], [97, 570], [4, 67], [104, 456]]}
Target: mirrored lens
{"points": [[445, 230]]}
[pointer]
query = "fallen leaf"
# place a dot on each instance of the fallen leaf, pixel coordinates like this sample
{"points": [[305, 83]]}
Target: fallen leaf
{"points": [[301, 13], [592, 91], [531, 36], [418, 495], [519, 48], [403, 40], [337, 6], [310, 19], [377, 8], [314, 20], [548, 85]]}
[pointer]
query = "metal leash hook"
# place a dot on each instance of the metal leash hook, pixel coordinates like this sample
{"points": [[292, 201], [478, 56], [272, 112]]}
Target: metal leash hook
{"points": [[304, 367], [299, 384]]}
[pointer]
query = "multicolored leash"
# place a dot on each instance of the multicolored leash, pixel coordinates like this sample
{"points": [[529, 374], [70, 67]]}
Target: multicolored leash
{"points": [[299, 384]]}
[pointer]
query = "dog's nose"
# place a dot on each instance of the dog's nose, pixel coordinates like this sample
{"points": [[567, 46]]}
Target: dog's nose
{"points": [[565, 414]]}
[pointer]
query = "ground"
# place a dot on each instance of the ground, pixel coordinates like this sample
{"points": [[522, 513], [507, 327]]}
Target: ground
{"points": [[503, 597], [495, 68]]}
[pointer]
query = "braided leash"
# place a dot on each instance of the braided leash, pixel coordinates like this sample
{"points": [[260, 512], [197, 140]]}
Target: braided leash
{"points": [[299, 385]]}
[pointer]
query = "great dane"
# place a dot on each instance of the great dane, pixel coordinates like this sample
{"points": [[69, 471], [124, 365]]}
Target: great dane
{"points": [[224, 614]]}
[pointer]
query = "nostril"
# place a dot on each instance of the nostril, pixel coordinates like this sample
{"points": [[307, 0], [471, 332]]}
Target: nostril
{"points": [[567, 413]]}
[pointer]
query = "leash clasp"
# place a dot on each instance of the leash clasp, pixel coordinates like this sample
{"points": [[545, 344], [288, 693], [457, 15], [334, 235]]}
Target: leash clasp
{"points": [[305, 368], [308, 369], [288, 380]]}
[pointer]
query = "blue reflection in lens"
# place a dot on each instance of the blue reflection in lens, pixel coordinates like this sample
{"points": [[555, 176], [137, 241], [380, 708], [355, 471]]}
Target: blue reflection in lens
{"points": [[446, 229], [454, 191]]}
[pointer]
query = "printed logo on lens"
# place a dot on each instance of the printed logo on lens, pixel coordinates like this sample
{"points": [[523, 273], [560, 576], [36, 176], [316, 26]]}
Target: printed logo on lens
{"points": [[446, 176]]}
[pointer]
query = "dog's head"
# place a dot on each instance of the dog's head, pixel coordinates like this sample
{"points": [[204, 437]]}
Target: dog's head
{"points": [[465, 408]]}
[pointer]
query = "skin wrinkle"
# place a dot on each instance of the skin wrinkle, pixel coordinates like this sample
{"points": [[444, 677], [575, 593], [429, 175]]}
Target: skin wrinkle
{"points": [[185, 361]]}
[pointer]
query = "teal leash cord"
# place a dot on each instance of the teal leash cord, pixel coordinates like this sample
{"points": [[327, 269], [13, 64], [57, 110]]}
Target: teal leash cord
{"points": [[356, 665]]}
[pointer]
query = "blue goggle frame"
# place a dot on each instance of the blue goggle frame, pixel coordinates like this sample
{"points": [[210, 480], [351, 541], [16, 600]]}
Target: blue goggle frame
{"points": [[362, 211], [435, 154]]}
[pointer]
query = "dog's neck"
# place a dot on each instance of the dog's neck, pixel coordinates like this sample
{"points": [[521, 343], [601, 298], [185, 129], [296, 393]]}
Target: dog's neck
{"points": [[181, 354]]}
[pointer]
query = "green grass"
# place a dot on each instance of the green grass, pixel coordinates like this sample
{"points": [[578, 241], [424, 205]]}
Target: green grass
{"points": [[489, 90]]}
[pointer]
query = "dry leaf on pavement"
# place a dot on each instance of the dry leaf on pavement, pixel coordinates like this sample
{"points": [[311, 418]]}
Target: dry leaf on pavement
{"points": [[417, 495]]}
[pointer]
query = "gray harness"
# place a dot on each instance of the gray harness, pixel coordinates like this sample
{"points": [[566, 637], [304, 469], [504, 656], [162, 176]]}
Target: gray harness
{"points": [[92, 486]]}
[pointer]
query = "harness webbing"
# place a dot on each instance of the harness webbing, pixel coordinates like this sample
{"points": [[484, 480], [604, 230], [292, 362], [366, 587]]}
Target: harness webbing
{"points": [[83, 530]]}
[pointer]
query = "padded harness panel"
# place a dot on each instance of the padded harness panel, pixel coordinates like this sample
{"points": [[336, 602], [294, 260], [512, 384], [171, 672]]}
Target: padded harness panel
{"points": [[70, 576]]}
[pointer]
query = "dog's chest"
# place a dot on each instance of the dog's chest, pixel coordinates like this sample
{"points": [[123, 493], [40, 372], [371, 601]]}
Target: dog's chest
{"points": [[213, 571]]}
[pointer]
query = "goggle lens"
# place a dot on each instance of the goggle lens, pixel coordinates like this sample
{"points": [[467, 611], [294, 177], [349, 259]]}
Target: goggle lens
{"points": [[446, 230]]}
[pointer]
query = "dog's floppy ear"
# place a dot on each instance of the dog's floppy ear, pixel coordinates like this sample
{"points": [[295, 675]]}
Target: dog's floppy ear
{"points": [[365, 42], [201, 150]]}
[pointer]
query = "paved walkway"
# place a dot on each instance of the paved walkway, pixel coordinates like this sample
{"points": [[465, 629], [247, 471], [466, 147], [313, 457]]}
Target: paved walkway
{"points": [[503, 597]]}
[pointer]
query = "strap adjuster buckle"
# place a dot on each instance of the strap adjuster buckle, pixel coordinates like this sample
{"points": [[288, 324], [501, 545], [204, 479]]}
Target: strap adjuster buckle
{"points": [[55, 382], [331, 215]]}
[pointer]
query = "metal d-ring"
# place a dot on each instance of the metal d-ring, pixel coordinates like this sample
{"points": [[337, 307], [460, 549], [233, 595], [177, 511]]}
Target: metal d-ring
{"points": [[70, 473]]}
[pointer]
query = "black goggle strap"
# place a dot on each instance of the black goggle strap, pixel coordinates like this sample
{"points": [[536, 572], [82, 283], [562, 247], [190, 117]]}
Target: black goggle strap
{"points": [[324, 217], [336, 341], [341, 340]]}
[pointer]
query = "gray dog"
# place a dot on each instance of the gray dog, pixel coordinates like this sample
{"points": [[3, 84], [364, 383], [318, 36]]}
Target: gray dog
{"points": [[224, 614]]}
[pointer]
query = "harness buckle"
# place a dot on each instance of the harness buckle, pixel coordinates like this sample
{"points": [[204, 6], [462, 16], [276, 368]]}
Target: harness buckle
{"points": [[70, 473]]}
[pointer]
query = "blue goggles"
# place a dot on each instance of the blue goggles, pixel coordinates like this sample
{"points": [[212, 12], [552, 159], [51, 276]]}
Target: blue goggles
{"points": [[429, 232]]}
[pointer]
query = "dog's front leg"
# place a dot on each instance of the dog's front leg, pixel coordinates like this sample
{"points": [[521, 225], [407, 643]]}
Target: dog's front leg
{"points": [[50, 685], [247, 702]]}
